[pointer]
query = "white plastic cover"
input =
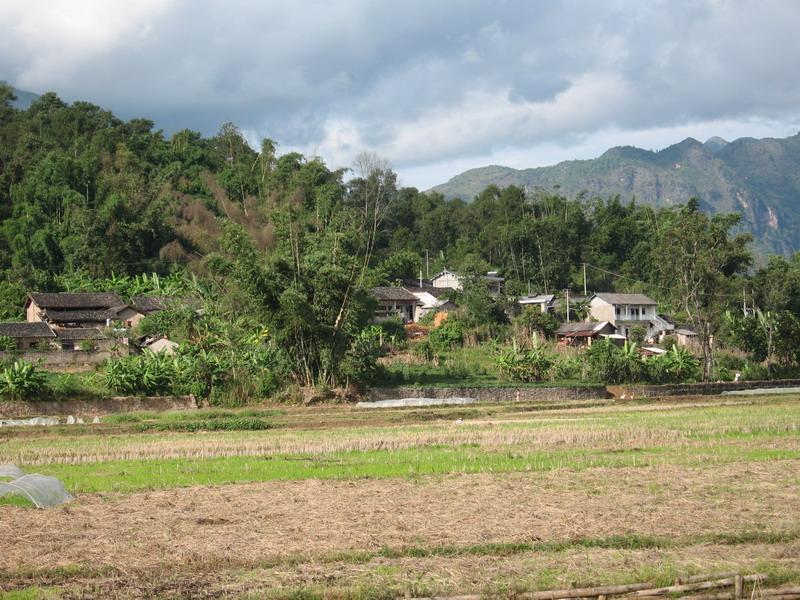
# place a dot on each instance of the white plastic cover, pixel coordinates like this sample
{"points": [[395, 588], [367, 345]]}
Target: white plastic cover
{"points": [[41, 490], [11, 471]]}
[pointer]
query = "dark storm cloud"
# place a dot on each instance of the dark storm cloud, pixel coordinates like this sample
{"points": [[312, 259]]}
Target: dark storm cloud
{"points": [[420, 82]]}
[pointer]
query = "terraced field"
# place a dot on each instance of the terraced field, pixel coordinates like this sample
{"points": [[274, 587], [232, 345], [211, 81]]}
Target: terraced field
{"points": [[341, 502]]}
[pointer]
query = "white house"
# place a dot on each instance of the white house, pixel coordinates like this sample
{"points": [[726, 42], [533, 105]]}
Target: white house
{"points": [[626, 311], [544, 302], [447, 279]]}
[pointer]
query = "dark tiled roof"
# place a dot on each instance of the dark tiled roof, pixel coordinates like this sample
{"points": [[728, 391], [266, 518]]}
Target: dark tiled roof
{"points": [[79, 316], [582, 328], [148, 304], [393, 293], [625, 298], [37, 329], [411, 282], [79, 333], [436, 292], [78, 301]]}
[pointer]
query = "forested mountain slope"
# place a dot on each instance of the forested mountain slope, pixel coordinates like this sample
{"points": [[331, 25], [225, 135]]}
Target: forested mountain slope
{"points": [[760, 179]]}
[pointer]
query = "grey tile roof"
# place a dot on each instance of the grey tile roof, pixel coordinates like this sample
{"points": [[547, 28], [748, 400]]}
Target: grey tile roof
{"points": [[148, 304], [36, 329], [582, 327], [77, 301], [79, 316], [393, 293], [436, 292], [613, 298], [79, 333]]}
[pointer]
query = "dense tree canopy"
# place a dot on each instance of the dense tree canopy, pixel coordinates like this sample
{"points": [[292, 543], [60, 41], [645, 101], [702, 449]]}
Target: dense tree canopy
{"points": [[87, 199]]}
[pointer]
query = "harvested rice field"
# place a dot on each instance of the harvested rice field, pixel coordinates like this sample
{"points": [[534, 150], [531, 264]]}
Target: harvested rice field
{"points": [[337, 502]]}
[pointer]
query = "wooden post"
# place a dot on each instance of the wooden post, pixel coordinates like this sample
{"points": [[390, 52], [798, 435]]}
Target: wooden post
{"points": [[738, 587]]}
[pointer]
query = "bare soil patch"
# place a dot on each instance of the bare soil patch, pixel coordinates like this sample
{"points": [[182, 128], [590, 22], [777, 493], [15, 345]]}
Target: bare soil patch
{"points": [[245, 524]]}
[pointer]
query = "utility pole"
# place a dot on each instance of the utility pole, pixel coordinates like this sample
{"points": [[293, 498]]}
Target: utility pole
{"points": [[567, 292], [744, 302], [427, 265], [584, 280]]}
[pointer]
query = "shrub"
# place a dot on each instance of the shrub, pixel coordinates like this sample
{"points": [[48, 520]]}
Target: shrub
{"points": [[447, 336], [532, 321], [361, 361], [235, 424], [7, 344], [669, 341], [526, 365], [148, 374], [43, 346], [394, 332], [88, 345], [636, 334], [608, 363], [21, 381]]}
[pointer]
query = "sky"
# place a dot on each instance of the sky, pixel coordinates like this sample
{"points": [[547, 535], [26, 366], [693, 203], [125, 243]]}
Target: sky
{"points": [[434, 86]]}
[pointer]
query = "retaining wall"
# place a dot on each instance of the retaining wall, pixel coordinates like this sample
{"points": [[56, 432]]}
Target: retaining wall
{"points": [[68, 360], [92, 408], [492, 394], [696, 389]]}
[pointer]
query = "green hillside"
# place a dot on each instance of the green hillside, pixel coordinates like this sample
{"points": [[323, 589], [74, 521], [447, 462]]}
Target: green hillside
{"points": [[760, 179]]}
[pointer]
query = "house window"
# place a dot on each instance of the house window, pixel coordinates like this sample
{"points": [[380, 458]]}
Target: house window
{"points": [[65, 345], [635, 312], [618, 311]]}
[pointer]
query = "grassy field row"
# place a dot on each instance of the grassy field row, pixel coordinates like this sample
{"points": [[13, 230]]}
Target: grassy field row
{"points": [[336, 502]]}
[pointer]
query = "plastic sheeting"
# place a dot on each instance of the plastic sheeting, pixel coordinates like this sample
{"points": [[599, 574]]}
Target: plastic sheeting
{"points": [[31, 422], [11, 471], [41, 490], [407, 402]]}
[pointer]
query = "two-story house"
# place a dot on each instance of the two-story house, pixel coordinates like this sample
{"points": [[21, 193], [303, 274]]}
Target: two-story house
{"points": [[626, 311]]}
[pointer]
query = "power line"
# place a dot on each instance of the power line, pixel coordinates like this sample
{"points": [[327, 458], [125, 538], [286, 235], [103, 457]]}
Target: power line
{"points": [[651, 285]]}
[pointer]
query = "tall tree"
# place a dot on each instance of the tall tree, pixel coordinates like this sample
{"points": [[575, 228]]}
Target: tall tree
{"points": [[695, 257]]}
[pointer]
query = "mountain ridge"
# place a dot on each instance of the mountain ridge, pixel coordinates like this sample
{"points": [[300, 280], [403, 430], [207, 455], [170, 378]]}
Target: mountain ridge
{"points": [[24, 99], [757, 178]]}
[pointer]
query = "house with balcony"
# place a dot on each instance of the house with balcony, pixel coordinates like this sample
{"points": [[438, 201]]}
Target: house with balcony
{"points": [[626, 311]]}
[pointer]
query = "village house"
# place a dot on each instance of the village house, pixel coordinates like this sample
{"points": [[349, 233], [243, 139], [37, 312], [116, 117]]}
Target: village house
{"points": [[160, 344], [148, 305], [431, 299], [89, 339], [394, 303], [585, 332], [626, 311], [544, 302], [81, 310], [448, 279], [28, 336]]}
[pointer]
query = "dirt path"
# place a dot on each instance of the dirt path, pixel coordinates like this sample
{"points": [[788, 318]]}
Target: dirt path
{"points": [[244, 524]]}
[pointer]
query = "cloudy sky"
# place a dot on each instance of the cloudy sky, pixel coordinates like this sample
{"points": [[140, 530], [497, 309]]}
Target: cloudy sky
{"points": [[436, 86]]}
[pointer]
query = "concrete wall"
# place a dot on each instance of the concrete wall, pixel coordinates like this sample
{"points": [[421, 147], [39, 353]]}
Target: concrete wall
{"points": [[93, 408], [695, 389], [33, 313], [498, 394], [447, 279], [602, 310]]}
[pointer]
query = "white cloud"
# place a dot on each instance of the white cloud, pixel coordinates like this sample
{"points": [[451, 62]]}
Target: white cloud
{"points": [[59, 36], [424, 83]]}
